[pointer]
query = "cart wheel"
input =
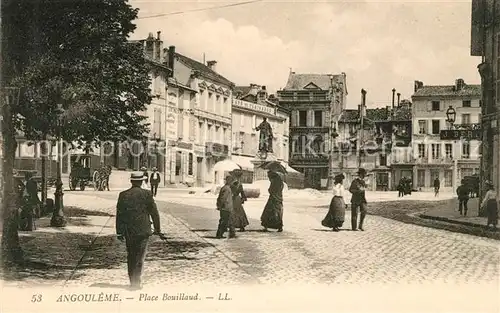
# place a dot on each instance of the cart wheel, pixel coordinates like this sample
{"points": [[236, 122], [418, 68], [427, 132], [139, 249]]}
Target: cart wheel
{"points": [[72, 185], [82, 185], [94, 180]]}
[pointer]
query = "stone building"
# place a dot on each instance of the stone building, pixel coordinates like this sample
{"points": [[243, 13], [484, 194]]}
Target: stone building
{"points": [[249, 106], [315, 102], [204, 118], [444, 159], [485, 42]]}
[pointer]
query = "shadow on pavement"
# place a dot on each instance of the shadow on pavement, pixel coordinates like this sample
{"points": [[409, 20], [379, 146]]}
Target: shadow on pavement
{"points": [[329, 230], [114, 286], [175, 250]]}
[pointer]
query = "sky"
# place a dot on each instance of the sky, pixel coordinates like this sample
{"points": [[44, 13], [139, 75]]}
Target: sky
{"points": [[380, 45]]}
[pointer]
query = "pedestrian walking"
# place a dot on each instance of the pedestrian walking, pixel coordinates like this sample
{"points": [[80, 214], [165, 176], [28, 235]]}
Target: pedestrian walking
{"points": [[154, 180], [134, 211], [272, 216], [225, 208], [490, 205], [30, 203], [463, 197], [437, 185], [145, 177], [358, 200], [239, 216], [336, 213], [401, 187]]}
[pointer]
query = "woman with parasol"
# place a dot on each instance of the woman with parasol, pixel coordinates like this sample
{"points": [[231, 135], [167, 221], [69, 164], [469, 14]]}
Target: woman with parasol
{"points": [[272, 216], [336, 213], [238, 217]]}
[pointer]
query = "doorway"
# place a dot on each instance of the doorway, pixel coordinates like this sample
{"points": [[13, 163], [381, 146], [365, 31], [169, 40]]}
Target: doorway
{"points": [[199, 172], [382, 181]]}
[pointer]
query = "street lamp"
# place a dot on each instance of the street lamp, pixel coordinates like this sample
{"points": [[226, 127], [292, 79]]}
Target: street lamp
{"points": [[57, 219], [451, 115]]}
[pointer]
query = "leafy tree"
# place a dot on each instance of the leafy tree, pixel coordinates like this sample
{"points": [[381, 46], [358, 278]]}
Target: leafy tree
{"points": [[75, 54], [83, 61]]}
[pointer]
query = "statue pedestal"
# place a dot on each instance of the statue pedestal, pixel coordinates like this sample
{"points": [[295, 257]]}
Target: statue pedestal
{"points": [[258, 172]]}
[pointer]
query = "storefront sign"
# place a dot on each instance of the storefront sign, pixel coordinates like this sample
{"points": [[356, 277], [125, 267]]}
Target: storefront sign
{"points": [[253, 106]]}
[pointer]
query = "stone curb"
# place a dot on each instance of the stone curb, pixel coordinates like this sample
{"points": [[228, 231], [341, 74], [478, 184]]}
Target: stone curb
{"points": [[452, 221]]}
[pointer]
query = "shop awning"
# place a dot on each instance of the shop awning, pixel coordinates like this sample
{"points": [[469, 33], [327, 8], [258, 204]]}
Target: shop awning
{"points": [[244, 162]]}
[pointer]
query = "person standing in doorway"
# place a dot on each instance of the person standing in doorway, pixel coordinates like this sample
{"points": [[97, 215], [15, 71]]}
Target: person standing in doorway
{"points": [[463, 197], [154, 181], [134, 211], [437, 185], [358, 200]]}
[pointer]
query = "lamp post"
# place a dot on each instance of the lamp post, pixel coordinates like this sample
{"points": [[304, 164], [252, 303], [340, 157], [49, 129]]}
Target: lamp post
{"points": [[58, 219], [451, 115], [361, 126]]}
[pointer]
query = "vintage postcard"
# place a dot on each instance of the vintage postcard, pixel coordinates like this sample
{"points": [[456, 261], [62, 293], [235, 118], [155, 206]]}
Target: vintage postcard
{"points": [[259, 155]]}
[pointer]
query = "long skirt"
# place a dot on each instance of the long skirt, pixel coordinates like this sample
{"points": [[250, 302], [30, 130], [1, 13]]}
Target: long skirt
{"points": [[272, 216], [336, 213], [238, 217], [492, 211]]}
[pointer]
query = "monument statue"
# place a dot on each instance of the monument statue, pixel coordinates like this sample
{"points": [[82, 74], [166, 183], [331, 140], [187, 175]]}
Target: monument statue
{"points": [[265, 137]]}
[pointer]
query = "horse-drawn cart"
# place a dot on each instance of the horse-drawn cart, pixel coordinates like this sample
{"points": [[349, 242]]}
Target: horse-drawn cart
{"points": [[82, 171]]}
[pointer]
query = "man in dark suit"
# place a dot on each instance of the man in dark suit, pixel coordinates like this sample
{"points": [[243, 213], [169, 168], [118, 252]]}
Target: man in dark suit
{"points": [[134, 209], [154, 180], [225, 206], [358, 200]]}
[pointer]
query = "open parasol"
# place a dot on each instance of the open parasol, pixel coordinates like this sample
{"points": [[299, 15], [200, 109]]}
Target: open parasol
{"points": [[273, 166]]}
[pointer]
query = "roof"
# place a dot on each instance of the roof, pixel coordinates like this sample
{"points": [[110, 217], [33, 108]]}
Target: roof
{"points": [[300, 81], [448, 90], [242, 90], [204, 70], [376, 114]]}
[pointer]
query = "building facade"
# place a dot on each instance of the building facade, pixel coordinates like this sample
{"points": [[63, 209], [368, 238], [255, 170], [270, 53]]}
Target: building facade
{"points": [[435, 158], [249, 106], [205, 115], [485, 42], [315, 102]]}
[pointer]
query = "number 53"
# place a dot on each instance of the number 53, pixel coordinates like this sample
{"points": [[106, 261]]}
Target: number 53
{"points": [[36, 298]]}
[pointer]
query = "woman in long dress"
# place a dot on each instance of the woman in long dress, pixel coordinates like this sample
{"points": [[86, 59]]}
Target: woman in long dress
{"points": [[490, 204], [238, 217], [272, 216], [336, 213]]}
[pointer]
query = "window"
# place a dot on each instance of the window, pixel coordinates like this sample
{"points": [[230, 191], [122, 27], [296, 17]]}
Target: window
{"points": [[480, 103], [383, 160], [318, 118], [479, 116], [466, 150], [436, 105], [448, 148], [435, 148], [217, 134], [466, 103], [435, 127], [421, 150], [210, 95], [465, 118], [209, 133], [303, 118], [422, 127], [190, 164], [448, 178], [201, 135]]}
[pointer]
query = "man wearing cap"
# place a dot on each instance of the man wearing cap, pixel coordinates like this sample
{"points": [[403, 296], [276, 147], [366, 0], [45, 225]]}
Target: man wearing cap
{"points": [[134, 211], [154, 181], [225, 207], [358, 200]]}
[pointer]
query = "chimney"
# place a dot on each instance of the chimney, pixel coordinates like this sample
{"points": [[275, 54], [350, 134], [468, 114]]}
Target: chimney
{"points": [[263, 87], [158, 35], [171, 58], [459, 84], [399, 99], [158, 48], [212, 65], [418, 85], [393, 94]]}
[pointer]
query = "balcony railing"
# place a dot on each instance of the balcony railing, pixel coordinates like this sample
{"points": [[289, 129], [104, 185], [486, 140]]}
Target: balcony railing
{"points": [[310, 129], [320, 157]]}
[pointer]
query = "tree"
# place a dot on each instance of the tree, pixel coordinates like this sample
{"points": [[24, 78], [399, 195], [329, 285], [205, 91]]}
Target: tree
{"points": [[75, 54], [83, 60]]}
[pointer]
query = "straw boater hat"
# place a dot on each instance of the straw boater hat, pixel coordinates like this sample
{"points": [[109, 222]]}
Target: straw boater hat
{"points": [[136, 176]]}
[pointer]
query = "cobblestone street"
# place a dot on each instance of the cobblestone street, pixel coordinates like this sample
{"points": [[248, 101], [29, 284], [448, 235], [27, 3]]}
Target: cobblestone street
{"points": [[389, 251]]}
